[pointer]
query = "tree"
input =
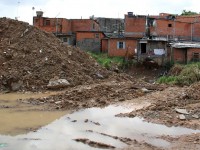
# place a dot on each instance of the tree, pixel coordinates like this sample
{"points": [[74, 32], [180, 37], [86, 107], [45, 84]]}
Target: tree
{"points": [[187, 13]]}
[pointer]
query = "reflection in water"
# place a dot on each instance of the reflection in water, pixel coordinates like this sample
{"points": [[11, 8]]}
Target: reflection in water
{"points": [[17, 118], [61, 133]]}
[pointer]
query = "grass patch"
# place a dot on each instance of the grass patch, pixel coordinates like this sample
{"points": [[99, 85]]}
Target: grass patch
{"points": [[109, 62], [182, 74]]}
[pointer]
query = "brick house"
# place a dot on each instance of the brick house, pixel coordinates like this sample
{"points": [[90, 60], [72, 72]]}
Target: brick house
{"points": [[116, 46], [63, 28], [185, 52], [141, 36], [89, 40]]}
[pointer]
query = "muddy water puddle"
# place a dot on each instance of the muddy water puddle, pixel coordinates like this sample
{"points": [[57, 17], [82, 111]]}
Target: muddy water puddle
{"points": [[17, 118], [91, 129]]}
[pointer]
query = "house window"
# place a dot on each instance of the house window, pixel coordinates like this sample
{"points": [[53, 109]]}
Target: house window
{"points": [[47, 22], [120, 45], [196, 56], [97, 35], [170, 25]]}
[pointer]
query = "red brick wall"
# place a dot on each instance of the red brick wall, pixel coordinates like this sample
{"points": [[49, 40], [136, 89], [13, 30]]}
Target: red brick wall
{"points": [[130, 45], [190, 53], [88, 35], [84, 25], [104, 45], [135, 26], [162, 28], [179, 55], [189, 19], [63, 25]]}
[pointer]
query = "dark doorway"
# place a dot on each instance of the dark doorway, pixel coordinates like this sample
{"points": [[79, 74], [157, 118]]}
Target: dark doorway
{"points": [[143, 48], [186, 56]]}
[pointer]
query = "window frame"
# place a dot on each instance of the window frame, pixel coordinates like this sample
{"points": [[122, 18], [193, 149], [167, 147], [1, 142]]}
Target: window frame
{"points": [[121, 45]]}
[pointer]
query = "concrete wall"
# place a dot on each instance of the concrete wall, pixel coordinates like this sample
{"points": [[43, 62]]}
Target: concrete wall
{"points": [[89, 40], [110, 24]]}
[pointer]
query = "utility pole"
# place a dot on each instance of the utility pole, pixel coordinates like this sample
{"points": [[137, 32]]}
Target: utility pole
{"points": [[57, 23]]}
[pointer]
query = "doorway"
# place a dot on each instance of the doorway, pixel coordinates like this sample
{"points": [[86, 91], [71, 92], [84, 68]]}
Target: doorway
{"points": [[143, 48]]}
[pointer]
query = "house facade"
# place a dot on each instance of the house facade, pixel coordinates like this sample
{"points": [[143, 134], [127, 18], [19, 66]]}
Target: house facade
{"points": [[63, 28], [89, 40], [135, 36]]}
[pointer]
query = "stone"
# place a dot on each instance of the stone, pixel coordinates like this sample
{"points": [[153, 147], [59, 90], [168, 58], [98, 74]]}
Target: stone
{"points": [[182, 111], [58, 102], [59, 83], [182, 117], [16, 85], [144, 90], [195, 116], [99, 76]]}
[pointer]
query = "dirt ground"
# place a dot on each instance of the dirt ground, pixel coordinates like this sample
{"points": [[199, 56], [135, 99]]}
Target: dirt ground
{"points": [[32, 58]]}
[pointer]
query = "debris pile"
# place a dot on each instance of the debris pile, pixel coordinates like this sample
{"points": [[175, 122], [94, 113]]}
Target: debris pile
{"points": [[31, 58], [193, 91]]}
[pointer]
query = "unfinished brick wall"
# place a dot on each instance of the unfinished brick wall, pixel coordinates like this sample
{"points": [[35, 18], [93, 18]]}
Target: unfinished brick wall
{"points": [[190, 53], [90, 40], [135, 26], [179, 55], [84, 25], [163, 27]]}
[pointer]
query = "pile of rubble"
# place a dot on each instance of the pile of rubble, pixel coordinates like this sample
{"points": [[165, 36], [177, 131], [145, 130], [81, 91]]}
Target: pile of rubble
{"points": [[33, 60], [193, 91]]}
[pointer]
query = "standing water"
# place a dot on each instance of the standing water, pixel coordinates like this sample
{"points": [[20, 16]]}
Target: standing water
{"points": [[86, 128]]}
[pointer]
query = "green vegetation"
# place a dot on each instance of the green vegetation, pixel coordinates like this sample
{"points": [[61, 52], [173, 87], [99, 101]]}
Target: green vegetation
{"points": [[187, 13], [182, 74], [110, 62]]}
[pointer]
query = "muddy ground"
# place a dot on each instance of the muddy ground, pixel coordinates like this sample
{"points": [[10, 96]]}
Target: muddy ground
{"points": [[163, 104], [31, 59]]}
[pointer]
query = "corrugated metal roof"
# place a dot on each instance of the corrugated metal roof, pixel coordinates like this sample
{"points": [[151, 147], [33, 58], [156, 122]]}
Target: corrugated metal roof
{"points": [[186, 45]]}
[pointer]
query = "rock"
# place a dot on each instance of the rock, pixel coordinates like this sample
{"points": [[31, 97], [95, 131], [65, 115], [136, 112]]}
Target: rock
{"points": [[195, 116], [182, 111], [16, 85], [144, 90], [182, 117], [99, 76], [59, 83], [58, 102]]}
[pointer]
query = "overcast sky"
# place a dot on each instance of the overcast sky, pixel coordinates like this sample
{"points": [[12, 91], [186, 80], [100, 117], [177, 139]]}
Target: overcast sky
{"points": [[22, 9]]}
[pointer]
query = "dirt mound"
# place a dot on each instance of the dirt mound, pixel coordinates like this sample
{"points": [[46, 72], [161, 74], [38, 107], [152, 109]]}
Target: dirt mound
{"points": [[30, 58], [175, 70], [172, 107], [93, 95], [193, 91]]}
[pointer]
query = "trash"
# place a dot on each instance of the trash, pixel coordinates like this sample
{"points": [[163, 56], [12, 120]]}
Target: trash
{"points": [[144, 90], [195, 116], [182, 111], [182, 117]]}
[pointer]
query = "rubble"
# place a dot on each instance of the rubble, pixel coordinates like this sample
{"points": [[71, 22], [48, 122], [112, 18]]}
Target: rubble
{"points": [[30, 57]]}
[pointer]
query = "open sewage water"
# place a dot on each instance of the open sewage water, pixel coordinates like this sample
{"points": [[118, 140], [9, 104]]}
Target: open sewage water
{"points": [[78, 130]]}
